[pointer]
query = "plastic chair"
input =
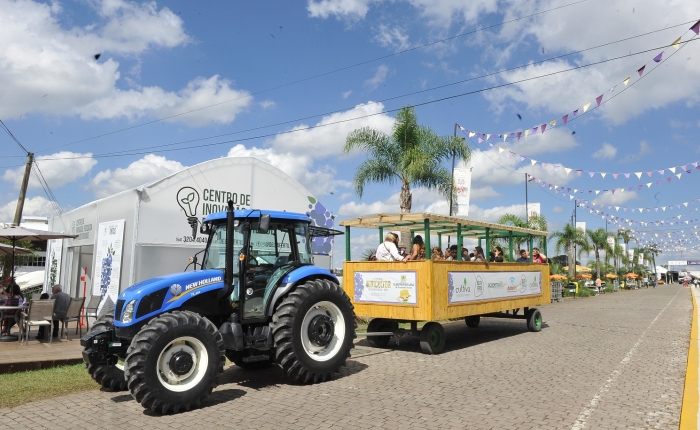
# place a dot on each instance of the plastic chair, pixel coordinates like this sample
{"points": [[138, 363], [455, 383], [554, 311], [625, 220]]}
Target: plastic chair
{"points": [[75, 309], [40, 313], [91, 310]]}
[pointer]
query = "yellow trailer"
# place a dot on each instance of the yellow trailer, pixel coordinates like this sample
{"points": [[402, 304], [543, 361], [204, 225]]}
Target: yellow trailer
{"points": [[392, 292]]}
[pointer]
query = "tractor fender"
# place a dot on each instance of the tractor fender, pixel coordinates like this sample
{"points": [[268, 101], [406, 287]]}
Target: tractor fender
{"points": [[296, 277]]}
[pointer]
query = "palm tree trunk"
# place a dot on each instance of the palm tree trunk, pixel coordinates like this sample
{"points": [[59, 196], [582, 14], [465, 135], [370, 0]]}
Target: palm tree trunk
{"points": [[597, 262], [572, 262], [405, 198]]}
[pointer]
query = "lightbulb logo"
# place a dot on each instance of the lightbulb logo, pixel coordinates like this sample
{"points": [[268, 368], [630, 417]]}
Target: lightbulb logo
{"points": [[188, 199]]}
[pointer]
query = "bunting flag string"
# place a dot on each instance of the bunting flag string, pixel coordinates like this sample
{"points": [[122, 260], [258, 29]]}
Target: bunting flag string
{"points": [[675, 220], [648, 209], [582, 173], [572, 191], [516, 135]]}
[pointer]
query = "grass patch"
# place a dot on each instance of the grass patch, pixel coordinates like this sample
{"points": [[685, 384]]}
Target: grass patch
{"points": [[585, 292], [25, 387]]}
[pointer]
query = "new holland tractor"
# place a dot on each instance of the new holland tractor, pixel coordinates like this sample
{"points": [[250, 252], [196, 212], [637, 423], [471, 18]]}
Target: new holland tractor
{"points": [[257, 300]]}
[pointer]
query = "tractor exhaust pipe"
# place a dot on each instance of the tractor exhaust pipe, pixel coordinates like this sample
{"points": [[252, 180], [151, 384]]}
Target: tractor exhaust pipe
{"points": [[228, 268]]}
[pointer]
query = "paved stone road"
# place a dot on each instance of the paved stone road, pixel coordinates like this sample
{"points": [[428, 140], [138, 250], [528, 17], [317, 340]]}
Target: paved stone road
{"points": [[613, 361]]}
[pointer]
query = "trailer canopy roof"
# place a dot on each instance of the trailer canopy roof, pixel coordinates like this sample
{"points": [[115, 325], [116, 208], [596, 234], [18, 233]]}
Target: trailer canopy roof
{"points": [[440, 225]]}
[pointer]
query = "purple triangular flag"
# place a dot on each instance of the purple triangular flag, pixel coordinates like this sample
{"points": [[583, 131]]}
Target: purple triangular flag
{"points": [[519, 133], [641, 70], [599, 99], [542, 127], [627, 175], [658, 57], [579, 172], [576, 112], [565, 118], [591, 173], [696, 27], [650, 173], [661, 172], [522, 158]]}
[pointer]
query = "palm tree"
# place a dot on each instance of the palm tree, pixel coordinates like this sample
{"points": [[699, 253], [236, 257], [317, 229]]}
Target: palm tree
{"points": [[598, 239], [626, 236], [653, 250], [566, 239], [534, 222], [412, 155]]}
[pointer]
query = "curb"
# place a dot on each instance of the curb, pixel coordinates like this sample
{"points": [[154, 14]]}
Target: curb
{"points": [[37, 365], [689, 408]]}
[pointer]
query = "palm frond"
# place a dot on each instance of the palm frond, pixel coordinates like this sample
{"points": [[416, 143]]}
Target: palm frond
{"points": [[374, 170]]}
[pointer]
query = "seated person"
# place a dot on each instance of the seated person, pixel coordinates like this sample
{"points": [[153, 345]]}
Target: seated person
{"points": [[15, 298], [436, 254], [417, 248], [59, 310], [479, 255], [387, 250], [452, 253], [538, 257], [524, 257], [497, 256]]}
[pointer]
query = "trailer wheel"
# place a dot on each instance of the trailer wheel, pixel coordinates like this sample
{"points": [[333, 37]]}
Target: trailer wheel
{"points": [[534, 320], [174, 362], [472, 321], [313, 328], [432, 338], [237, 357], [110, 376], [380, 325]]}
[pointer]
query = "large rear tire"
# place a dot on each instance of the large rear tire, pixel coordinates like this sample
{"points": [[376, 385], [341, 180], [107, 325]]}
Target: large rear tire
{"points": [[110, 376], [313, 328], [381, 325], [174, 362]]}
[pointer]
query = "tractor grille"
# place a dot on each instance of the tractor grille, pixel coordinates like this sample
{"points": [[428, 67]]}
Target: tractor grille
{"points": [[151, 303], [118, 310]]}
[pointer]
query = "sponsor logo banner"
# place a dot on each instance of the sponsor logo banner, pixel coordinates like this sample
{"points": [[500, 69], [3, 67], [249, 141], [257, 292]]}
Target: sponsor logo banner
{"points": [[474, 286], [386, 287]]}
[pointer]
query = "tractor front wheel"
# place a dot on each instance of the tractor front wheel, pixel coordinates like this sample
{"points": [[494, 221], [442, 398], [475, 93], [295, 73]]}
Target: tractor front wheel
{"points": [[110, 376], [313, 328], [174, 362]]}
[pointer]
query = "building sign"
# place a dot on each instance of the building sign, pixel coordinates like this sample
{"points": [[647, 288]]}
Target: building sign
{"points": [[474, 286], [693, 262], [81, 228], [640, 258], [581, 225], [396, 288], [108, 263], [681, 262]]}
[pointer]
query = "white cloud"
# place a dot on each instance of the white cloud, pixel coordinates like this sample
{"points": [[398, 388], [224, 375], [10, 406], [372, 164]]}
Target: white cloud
{"points": [[378, 78], [147, 169], [320, 181], [265, 104], [346, 9], [680, 81], [615, 199], [328, 138], [346, 94], [644, 149], [442, 13], [607, 152], [392, 37], [483, 193], [35, 206], [198, 94], [58, 169], [49, 68], [424, 200], [557, 209]]}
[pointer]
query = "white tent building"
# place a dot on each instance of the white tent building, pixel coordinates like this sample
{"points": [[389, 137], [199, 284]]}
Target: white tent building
{"points": [[148, 231]]}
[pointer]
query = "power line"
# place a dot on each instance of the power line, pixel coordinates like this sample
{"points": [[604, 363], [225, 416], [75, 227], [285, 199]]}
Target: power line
{"points": [[7, 130], [326, 73], [152, 149], [413, 93]]}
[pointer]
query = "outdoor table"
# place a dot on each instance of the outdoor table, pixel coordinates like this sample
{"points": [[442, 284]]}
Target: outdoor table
{"points": [[10, 337]]}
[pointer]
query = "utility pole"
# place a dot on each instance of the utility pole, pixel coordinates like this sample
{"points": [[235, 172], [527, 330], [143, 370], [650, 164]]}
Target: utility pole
{"points": [[23, 189]]}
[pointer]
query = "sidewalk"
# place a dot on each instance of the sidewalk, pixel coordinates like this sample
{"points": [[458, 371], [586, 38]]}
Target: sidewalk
{"points": [[690, 411], [18, 357]]}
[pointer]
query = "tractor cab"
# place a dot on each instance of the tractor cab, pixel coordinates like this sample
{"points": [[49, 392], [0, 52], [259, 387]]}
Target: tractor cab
{"points": [[268, 245]]}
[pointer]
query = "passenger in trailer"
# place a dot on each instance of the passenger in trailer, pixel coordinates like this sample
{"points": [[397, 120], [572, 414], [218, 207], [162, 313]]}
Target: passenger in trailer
{"points": [[387, 250], [524, 257]]}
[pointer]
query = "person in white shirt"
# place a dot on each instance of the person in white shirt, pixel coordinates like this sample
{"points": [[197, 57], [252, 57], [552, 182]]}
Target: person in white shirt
{"points": [[387, 250]]}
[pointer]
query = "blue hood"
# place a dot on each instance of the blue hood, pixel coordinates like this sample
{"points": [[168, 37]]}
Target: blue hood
{"points": [[180, 287]]}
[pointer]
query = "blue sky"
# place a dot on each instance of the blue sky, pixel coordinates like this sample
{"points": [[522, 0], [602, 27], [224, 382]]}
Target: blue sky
{"points": [[163, 60]]}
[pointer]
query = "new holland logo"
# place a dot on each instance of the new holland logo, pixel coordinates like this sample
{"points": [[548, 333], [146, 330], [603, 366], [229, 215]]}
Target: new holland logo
{"points": [[175, 289]]}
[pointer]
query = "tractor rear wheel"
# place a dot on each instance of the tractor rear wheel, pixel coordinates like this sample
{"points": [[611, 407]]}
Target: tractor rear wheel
{"points": [[314, 328], [110, 376], [238, 358], [174, 362]]}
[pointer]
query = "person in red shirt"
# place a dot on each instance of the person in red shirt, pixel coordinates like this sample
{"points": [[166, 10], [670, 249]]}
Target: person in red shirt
{"points": [[537, 257]]}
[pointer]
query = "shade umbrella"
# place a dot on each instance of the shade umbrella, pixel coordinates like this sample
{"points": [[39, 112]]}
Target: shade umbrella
{"points": [[579, 268], [16, 233], [631, 275], [557, 277], [7, 249], [611, 276], [583, 276]]}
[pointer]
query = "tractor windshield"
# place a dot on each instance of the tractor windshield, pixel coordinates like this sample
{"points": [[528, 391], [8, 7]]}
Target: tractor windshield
{"points": [[269, 250]]}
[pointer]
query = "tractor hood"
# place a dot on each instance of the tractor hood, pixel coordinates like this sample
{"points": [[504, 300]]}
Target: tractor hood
{"points": [[164, 293]]}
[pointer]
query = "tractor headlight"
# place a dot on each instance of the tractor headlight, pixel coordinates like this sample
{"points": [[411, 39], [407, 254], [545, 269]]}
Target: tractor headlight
{"points": [[128, 314]]}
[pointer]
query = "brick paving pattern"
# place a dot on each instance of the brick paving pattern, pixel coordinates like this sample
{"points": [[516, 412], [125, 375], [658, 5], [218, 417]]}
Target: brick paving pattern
{"points": [[612, 361]]}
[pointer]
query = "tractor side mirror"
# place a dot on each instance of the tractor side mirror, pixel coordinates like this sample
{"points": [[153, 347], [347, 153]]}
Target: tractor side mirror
{"points": [[264, 224]]}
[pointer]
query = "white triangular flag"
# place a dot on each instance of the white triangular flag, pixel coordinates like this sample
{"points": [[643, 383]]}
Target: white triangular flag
{"points": [[567, 170], [617, 208], [649, 185], [533, 161], [586, 106], [500, 149], [679, 175], [672, 169], [597, 192], [488, 136]]}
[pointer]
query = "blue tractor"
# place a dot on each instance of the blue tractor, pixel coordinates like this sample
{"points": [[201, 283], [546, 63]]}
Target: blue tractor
{"points": [[257, 300]]}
